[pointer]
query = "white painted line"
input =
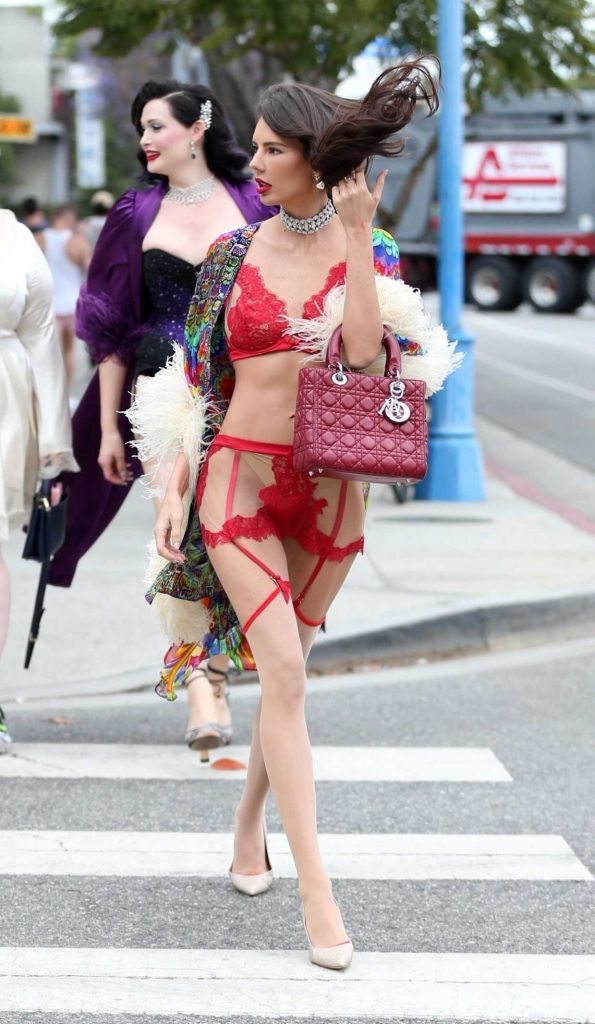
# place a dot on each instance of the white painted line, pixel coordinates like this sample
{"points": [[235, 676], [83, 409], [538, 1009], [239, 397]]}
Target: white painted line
{"points": [[542, 379], [338, 764], [248, 983], [511, 327], [360, 855]]}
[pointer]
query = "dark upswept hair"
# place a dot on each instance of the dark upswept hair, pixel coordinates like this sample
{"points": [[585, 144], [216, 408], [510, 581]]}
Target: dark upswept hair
{"points": [[339, 134], [224, 156]]}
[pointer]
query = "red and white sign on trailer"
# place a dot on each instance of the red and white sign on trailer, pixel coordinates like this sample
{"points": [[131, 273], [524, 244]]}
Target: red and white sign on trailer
{"points": [[514, 177]]}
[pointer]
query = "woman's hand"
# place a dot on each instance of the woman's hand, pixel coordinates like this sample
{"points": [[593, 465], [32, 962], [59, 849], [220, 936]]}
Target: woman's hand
{"points": [[112, 458], [354, 202], [168, 527]]}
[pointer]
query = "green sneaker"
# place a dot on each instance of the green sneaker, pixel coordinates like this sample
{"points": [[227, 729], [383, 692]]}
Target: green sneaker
{"points": [[5, 737]]}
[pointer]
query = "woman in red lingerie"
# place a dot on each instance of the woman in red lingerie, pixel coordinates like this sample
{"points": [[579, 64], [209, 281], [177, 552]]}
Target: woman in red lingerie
{"points": [[279, 543]]}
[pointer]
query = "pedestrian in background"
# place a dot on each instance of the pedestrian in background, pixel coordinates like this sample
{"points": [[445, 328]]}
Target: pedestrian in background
{"points": [[132, 312], [268, 548], [35, 433], [68, 254], [33, 216], [92, 226]]}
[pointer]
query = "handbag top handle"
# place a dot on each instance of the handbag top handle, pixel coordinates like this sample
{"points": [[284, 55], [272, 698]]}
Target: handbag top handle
{"points": [[392, 367]]}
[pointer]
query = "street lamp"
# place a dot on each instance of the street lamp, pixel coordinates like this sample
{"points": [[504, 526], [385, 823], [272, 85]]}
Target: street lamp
{"points": [[455, 470]]}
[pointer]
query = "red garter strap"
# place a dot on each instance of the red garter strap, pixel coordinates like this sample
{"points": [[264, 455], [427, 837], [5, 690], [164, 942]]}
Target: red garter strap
{"points": [[305, 619], [322, 559], [243, 444], [283, 586]]}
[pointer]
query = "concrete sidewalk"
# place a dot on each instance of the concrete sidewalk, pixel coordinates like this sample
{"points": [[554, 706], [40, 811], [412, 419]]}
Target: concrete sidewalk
{"points": [[436, 578]]}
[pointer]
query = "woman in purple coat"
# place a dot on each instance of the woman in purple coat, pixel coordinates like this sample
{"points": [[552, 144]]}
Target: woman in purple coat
{"points": [[132, 310]]}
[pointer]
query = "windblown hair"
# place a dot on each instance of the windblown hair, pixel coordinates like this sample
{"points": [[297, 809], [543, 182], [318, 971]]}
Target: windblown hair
{"points": [[339, 134], [224, 157]]}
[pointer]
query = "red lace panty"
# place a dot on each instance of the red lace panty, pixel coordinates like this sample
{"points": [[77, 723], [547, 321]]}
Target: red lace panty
{"points": [[289, 525]]}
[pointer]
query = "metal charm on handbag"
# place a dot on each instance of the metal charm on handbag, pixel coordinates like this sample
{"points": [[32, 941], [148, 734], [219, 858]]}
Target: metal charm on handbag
{"points": [[357, 426]]}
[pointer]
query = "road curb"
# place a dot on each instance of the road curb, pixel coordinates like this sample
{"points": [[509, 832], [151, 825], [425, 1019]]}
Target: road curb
{"points": [[470, 630]]}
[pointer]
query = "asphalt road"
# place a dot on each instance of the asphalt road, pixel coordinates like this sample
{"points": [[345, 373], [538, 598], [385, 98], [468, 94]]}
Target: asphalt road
{"points": [[536, 377], [532, 710]]}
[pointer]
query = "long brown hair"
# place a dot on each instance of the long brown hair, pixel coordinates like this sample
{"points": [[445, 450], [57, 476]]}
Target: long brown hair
{"points": [[339, 134]]}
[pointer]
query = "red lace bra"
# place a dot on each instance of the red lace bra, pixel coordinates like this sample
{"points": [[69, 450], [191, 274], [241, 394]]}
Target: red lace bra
{"points": [[257, 320]]}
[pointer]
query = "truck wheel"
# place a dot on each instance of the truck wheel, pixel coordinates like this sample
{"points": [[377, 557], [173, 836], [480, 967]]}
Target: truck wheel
{"points": [[552, 285], [493, 283], [589, 281]]}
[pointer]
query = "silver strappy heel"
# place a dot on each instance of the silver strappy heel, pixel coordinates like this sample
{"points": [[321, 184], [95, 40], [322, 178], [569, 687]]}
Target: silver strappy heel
{"points": [[208, 735], [221, 692]]}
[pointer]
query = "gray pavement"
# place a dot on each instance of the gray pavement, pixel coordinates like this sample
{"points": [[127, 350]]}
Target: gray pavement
{"points": [[535, 378]]}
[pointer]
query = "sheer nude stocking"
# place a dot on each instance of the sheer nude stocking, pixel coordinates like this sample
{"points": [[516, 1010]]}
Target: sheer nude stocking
{"points": [[254, 573], [280, 750]]}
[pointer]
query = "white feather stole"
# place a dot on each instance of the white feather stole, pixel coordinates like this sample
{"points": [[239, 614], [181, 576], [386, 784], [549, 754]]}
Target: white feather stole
{"points": [[402, 310], [166, 419]]}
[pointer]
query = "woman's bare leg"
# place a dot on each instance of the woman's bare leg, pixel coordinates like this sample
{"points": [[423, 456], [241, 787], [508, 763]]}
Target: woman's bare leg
{"points": [[67, 344], [284, 742], [248, 846], [248, 856]]}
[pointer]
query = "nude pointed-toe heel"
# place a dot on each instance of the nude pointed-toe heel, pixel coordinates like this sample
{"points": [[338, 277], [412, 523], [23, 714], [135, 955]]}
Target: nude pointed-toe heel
{"points": [[334, 958], [253, 885]]}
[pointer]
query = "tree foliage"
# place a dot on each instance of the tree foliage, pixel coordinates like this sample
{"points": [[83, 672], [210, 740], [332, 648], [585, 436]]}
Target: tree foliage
{"points": [[518, 44]]}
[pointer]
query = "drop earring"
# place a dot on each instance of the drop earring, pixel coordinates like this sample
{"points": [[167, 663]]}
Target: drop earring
{"points": [[320, 184], [192, 151]]}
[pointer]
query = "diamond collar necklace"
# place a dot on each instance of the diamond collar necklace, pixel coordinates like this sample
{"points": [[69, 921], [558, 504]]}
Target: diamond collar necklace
{"points": [[308, 225], [197, 193]]}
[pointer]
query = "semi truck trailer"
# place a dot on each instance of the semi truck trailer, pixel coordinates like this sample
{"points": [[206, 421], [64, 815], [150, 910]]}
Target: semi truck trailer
{"points": [[528, 194]]}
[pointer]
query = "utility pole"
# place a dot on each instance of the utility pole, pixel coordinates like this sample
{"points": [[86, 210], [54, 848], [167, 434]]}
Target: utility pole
{"points": [[455, 470]]}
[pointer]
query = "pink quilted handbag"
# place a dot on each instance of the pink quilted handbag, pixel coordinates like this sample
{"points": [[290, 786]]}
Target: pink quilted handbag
{"points": [[356, 426]]}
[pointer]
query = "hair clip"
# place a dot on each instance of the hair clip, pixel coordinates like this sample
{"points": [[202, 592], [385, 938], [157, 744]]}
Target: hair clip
{"points": [[206, 114]]}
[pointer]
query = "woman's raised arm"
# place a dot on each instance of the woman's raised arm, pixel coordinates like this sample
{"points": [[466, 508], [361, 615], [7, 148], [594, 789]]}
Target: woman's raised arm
{"points": [[362, 324]]}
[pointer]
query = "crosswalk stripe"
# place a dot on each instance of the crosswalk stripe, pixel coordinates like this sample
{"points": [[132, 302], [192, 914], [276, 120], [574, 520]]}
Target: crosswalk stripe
{"points": [[354, 856], [342, 764], [222, 982]]}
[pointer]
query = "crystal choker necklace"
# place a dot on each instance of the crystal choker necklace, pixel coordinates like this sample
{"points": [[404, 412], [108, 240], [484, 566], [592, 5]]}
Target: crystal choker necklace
{"points": [[197, 193], [308, 225]]}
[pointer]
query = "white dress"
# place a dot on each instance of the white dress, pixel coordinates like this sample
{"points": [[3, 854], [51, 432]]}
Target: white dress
{"points": [[35, 432]]}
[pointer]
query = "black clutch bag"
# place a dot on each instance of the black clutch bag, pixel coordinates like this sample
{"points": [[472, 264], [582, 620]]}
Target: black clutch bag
{"points": [[47, 526]]}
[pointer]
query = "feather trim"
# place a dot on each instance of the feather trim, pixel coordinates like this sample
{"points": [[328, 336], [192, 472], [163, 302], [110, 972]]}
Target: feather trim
{"points": [[167, 418], [428, 355], [106, 327]]}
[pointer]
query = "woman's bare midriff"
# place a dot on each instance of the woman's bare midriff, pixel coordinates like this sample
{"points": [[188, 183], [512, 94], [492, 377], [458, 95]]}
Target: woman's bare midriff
{"points": [[262, 407]]}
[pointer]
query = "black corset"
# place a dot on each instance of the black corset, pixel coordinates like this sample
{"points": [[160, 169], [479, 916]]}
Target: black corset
{"points": [[170, 283]]}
